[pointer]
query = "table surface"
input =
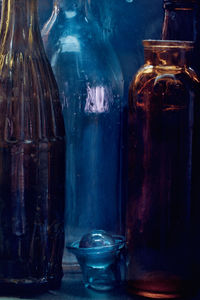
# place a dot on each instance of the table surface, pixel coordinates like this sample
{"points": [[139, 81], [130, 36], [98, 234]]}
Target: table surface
{"points": [[73, 289]]}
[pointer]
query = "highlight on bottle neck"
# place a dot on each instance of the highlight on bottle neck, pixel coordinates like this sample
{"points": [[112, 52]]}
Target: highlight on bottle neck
{"points": [[180, 4], [73, 5], [19, 25], [28, 5], [168, 53], [19, 11]]}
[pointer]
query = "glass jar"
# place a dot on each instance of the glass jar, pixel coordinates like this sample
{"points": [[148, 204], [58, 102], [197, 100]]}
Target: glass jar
{"points": [[164, 136], [91, 88]]}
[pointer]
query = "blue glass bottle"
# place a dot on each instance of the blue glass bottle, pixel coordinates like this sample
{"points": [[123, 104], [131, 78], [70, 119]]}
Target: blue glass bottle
{"points": [[91, 90]]}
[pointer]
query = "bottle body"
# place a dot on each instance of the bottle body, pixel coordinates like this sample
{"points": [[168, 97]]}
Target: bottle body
{"points": [[91, 88], [32, 154], [160, 208], [32, 233]]}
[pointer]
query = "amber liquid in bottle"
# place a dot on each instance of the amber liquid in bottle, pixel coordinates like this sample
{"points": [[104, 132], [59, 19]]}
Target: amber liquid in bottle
{"points": [[32, 155], [160, 210]]}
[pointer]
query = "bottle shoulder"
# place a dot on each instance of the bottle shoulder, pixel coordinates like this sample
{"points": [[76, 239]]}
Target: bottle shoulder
{"points": [[76, 37], [78, 57], [29, 98], [149, 75], [63, 24], [166, 87]]}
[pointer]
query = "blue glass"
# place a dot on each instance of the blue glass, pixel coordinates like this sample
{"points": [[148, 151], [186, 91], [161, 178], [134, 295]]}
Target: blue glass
{"points": [[127, 24], [102, 262], [96, 238], [91, 90]]}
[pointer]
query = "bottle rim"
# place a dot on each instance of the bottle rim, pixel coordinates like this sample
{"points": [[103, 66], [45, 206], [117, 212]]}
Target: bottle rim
{"points": [[169, 44], [181, 3]]}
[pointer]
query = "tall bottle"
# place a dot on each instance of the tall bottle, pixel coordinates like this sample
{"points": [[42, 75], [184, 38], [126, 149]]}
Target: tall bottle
{"points": [[182, 22], [91, 88], [32, 155], [164, 144]]}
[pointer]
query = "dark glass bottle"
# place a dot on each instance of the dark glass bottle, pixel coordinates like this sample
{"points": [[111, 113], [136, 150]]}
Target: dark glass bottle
{"points": [[182, 22], [163, 145], [32, 155], [91, 88]]}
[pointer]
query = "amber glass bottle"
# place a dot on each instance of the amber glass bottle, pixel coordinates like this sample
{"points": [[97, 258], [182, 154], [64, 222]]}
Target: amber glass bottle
{"points": [[163, 142], [32, 155]]}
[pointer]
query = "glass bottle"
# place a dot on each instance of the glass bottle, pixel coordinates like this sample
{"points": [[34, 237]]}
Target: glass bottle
{"points": [[164, 136], [32, 155], [182, 22], [91, 88]]}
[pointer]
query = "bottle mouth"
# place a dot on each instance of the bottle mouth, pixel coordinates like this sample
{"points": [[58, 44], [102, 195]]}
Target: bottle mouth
{"points": [[168, 53], [171, 44], [180, 3]]}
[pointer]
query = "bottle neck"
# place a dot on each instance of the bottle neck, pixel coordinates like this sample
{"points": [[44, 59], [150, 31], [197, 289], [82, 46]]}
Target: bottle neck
{"points": [[168, 56], [73, 7], [180, 21], [180, 4], [19, 22]]}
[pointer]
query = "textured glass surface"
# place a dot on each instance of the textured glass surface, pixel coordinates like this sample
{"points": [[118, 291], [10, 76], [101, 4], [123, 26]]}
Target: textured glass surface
{"points": [[32, 154], [91, 89], [163, 173]]}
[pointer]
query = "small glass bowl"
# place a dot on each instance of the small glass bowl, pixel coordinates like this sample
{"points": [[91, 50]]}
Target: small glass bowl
{"points": [[103, 266]]}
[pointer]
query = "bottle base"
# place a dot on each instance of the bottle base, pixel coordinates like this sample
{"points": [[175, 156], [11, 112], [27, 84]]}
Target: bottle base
{"points": [[157, 290], [29, 286], [153, 295], [23, 286]]}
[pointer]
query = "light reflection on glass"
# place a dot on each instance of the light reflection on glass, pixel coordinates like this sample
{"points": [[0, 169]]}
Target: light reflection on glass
{"points": [[70, 14], [69, 44], [98, 99]]}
